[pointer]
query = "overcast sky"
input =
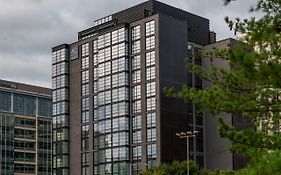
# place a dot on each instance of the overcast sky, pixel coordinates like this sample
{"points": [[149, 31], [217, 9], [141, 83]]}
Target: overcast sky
{"points": [[30, 28]]}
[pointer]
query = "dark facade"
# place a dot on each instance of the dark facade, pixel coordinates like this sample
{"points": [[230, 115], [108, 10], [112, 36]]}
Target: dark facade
{"points": [[110, 113], [217, 154], [25, 129]]}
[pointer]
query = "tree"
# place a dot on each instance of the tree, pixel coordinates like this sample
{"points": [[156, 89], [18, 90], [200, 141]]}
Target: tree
{"points": [[176, 168], [252, 88]]}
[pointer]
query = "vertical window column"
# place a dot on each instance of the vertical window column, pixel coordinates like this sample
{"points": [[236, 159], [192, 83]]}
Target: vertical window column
{"points": [[111, 103], [85, 108], [136, 143], [150, 75], [60, 76]]}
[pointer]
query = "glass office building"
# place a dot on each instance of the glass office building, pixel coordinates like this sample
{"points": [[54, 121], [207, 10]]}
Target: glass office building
{"points": [[25, 129], [110, 115]]}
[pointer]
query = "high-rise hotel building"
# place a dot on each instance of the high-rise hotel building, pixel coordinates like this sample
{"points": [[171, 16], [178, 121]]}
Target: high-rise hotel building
{"points": [[110, 115], [25, 129]]}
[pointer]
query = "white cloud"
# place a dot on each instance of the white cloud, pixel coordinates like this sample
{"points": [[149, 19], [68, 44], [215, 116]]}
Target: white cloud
{"points": [[29, 28]]}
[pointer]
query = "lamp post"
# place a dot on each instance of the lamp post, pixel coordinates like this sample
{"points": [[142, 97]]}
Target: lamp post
{"points": [[186, 135]]}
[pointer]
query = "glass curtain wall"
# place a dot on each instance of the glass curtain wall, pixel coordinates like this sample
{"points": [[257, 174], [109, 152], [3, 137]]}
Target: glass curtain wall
{"points": [[111, 103]]}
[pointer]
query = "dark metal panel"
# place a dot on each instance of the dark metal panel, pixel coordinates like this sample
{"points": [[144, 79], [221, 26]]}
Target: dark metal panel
{"points": [[62, 46]]}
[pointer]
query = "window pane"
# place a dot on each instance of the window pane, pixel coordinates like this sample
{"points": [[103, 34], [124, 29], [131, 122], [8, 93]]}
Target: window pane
{"points": [[85, 49], [150, 104], [150, 28], [150, 120], [150, 73], [136, 76], [151, 151], [136, 92], [151, 134], [136, 33], [150, 43], [136, 62], [150, 58], [136, 47], [150, 89]]}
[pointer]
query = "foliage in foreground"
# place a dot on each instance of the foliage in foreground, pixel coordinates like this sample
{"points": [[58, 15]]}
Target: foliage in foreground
{"points": [[176, 168], [266, 164]]}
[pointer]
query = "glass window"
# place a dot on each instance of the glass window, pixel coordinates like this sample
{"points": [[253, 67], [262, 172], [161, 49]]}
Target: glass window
{"points": [[150, 104], [119, 50], [60, 95], [137, 167], [85, 170], [85, 89], [136, 47], [120, 139], [150, 73], [137, 106], [59, 81], [119, 35], [104, 97], [120, 94], [150, 89], [85, 76], [136, 62], [119, 124], [151, 135], [85, 143], [24, 104], [119, 109], [121, 168], [120, 65], [137, 152], [120, 79], [95, 74], [60, 121], [150, 42], [136, 33], [114, 37], [44, 107], [60, 55], [85, 117], [104, 69], [59, 69], [136, 92], [137, 136], [104, 40], [95, 46], [5, 101], [150, 28], [150, 120], [85, 104], [95, 59], [153, 163], [104, 83], [60, 108], [85, 131], [150, 58], [137, 122], [104, 126], [85, 62], [104, 55], [85, 49], [136, 76], [120, 154], [151, 151]]}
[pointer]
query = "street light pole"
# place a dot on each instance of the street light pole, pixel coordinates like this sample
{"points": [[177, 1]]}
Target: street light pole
{"points": [[187, 152], [186, 135]]}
